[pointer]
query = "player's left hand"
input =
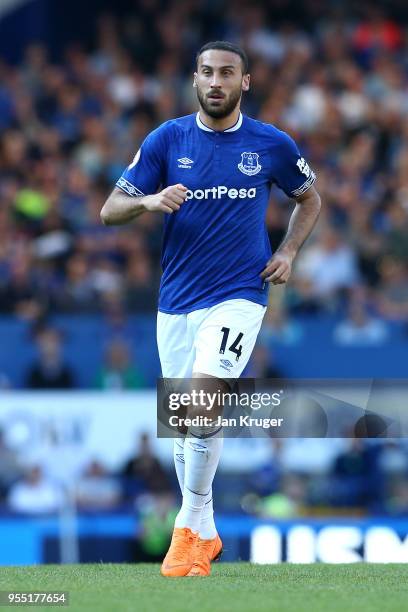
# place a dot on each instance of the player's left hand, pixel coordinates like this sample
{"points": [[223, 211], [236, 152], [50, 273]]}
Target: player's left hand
{"points": [[278, 268]]}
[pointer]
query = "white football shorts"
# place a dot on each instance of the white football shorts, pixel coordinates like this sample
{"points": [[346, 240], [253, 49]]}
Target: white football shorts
{"points": [[217, 341]]}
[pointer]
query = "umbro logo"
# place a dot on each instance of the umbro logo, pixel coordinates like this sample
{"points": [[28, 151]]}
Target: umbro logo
{"points": [[226, 364], [185, 162]]}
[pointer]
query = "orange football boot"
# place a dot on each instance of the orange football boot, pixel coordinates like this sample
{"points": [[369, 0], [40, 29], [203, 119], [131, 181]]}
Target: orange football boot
{"points": [[181, 554], [206, 551]]}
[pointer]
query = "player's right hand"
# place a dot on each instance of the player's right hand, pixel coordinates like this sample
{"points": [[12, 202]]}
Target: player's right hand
{"points": [[169, 200]]}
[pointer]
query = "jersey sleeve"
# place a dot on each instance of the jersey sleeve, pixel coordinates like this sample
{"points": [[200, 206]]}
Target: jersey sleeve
{"points": [[292, 173], [146, 172]]}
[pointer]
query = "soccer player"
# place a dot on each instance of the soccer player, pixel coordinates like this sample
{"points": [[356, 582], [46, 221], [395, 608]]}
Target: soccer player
{"points": [[210, 173]]}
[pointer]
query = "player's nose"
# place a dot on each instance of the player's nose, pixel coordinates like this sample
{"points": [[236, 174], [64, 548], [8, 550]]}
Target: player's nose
{"points": [[215, 82]]}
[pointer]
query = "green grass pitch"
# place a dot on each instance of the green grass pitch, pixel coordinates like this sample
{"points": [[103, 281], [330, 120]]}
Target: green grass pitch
{"points": [[232, 587]]}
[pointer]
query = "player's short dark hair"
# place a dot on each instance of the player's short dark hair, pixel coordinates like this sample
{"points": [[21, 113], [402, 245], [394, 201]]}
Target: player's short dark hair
{"points": [[224, 45]]}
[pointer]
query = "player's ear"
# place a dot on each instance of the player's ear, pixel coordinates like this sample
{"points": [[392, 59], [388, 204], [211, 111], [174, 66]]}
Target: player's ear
{"points": [[245, 82], [195, 80]]}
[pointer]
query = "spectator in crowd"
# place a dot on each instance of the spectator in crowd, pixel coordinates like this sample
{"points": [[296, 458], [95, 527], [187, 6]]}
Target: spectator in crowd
{"points": [[96, 489], [141, 292], [397, 231], [288, 500], [330, 265], [393, 458], [360, 329], [261, 364], [355, 478], [49, 371], [266, 478], [396, 504], [119, 372], [143, 472], [392, 294], [20, 294], [78, 292], [156, 515], [35, 494]]}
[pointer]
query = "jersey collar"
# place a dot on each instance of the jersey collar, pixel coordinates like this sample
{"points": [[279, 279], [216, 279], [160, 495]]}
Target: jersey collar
{"points": [[234, 128]]}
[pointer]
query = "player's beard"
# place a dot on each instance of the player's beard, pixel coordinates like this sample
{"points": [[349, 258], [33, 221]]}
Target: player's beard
{"points": [[225, 108]]}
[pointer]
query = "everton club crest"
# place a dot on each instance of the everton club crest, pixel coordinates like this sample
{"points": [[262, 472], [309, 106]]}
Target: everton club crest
{"points": [[249, 163]]}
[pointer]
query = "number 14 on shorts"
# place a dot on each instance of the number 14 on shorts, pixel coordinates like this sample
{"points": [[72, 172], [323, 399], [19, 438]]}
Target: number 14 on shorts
{"points": [[235, 347]]}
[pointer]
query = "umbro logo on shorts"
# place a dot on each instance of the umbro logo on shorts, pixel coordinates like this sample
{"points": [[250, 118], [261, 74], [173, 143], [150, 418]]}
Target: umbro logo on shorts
{"points": [[226, 364]]}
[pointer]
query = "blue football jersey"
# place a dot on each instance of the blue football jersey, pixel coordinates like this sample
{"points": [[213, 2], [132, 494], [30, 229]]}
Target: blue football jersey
{"points": [[216, 245]]}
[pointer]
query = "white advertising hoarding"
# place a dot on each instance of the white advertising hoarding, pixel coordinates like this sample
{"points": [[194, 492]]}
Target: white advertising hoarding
{"points": [[63, 431]]}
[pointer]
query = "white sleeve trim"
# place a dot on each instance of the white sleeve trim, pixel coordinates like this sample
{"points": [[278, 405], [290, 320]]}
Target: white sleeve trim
{"points": [[128, 188], [308, 183]]}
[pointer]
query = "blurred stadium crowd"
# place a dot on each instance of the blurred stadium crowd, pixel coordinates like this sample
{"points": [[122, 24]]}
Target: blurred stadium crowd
{"points": [[68, 129], [338, 83], [306, 477]]}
